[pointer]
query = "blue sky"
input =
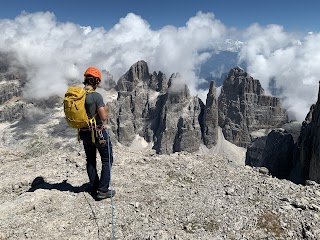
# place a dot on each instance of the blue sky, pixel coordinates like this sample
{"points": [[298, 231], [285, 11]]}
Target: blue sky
{"points": [[296, 15]]}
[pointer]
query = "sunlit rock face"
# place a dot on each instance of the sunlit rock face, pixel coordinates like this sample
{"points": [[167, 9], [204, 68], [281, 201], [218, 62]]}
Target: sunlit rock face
{"points": [[136, 111], [163, 112], [244, 108], [210, 117], [12, 79], [179, 121]]}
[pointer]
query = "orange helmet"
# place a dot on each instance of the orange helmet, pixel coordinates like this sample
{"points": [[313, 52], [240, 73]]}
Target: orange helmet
{"points": [[93, 72]]}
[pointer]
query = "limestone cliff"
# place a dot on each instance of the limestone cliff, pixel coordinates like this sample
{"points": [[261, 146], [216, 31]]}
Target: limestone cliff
{"points": [[244, 108]]}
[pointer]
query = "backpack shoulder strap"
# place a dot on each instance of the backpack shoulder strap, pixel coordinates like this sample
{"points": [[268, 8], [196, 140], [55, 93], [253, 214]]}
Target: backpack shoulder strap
{"points": [[92, 121], [91, 90]]}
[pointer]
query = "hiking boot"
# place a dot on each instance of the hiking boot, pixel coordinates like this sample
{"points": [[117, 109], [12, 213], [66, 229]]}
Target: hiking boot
{"points": [[92, 190], [108, 194]]}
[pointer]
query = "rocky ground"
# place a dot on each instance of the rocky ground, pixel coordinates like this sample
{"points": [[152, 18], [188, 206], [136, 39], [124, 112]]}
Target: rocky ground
{"points": [[178, 196]]}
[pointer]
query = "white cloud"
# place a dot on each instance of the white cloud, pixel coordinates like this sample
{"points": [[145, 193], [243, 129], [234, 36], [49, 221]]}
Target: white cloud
{"points": [[272, 53], [56, 53]]}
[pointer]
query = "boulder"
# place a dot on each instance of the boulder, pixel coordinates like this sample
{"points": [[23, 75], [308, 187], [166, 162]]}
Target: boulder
{"points": [[276, 153]]}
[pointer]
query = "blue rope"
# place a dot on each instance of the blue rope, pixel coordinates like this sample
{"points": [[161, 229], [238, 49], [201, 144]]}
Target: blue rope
{"points": [[112, 208]]}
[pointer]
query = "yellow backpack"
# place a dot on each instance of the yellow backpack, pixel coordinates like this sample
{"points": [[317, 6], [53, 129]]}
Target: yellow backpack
{"points": [[75, 111]]}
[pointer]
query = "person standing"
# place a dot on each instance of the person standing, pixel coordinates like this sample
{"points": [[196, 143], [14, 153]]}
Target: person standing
{"points": [[100, 141]]}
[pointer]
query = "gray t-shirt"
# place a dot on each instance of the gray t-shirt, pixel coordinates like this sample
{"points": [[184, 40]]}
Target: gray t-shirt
{"points": [[94, 101]]}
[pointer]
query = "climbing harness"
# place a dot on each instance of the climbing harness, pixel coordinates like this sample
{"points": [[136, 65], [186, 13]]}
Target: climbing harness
{"points": [[99, 134], [92, 125]]}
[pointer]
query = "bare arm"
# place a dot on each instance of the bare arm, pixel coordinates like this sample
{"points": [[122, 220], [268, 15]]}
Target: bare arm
{"points": [[103, 113]]}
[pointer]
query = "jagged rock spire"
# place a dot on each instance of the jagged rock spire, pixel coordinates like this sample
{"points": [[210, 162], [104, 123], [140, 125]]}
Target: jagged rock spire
{"points": [[210, 117], [138, 75], [243, 108], [138, 72]]}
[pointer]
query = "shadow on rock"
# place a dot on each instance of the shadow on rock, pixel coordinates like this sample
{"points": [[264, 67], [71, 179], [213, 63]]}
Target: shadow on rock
{"points": [[40, 183]]}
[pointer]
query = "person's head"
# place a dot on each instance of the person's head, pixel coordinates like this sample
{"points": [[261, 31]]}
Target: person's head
{"points": [[92, 77]]}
